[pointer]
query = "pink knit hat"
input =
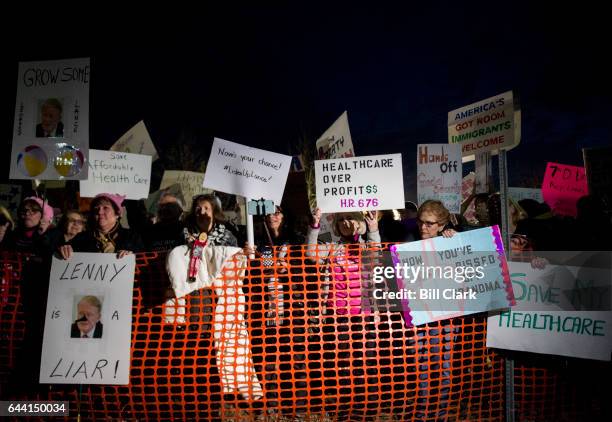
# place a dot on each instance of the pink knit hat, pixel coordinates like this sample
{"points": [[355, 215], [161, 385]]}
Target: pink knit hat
{"points": [[47, 210], [117, 200]]}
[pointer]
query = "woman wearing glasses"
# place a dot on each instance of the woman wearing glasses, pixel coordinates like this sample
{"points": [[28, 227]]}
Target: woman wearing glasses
{"points": [[72, 223], [27, 236], [433, 219]]}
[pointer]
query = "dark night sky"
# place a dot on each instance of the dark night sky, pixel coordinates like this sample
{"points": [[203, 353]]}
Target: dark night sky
{"points": [[261, 75]]}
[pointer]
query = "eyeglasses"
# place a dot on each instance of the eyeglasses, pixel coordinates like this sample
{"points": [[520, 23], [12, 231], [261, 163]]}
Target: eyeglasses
{"points": [[76, 221], [427, 223], [26, 211]]}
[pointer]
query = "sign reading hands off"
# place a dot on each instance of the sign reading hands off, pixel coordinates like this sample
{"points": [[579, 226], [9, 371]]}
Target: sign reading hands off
{"points": [[247, 171]]}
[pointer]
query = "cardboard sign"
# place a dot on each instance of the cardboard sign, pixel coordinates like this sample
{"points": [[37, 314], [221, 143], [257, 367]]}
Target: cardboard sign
{"points": [[88, 322], [483, 126], [117, 172], [189, 181], [372, 182], [519, 194], [336, 142], [549, 316], [136, 141], [439, 170], [245, 171], [562, 187], [434, 297], [51, 127]]}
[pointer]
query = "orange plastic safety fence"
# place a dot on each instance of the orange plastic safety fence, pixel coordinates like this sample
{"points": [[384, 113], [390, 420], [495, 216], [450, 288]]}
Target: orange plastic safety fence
{"points": [[283, 329]]}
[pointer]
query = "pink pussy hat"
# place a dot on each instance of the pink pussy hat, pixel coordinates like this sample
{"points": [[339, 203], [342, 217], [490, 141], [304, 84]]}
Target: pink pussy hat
{"points": [[117, 200], [47, 210]]}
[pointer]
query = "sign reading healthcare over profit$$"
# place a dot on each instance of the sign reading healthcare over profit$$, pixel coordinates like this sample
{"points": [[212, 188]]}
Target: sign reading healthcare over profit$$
{"points": [[88, 322], [117, 172], [562, 187], [372, 182], [336, 142], [51, 127], [483, 126], [246, 171], [439, 171], [556, 312]]}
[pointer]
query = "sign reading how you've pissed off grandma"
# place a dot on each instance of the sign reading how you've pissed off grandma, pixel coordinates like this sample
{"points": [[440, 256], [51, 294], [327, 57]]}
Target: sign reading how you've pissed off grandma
{"points": [[372, 182], [89, 320]]}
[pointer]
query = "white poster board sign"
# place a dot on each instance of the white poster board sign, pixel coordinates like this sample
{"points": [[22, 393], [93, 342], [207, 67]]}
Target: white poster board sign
{"points": [[88, 322], [246, 171], [336, 141], [548, 317], [51, 126], [525, 193], [136, 141], [189, 181], [117, 172], [483, 126], [372, 182], [439, 170]]}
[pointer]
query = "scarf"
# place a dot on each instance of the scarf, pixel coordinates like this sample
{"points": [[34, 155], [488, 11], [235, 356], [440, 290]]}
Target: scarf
{"points": [[107, 243]]}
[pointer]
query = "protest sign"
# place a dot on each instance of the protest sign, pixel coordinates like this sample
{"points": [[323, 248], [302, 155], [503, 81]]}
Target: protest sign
{"points": [[439, 170], [519, 194], [136, 141], [597, 163], [190, 183], [117, 172], [336, 141], [483, 126], [246, 171], [88, 322], [152, 201], [51, 126], [372, 182], [551, 315], [449, 277], [562, 187], [467, 188]]}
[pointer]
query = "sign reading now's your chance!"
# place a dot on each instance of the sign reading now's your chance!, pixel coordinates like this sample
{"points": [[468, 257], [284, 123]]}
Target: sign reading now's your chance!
{"points": [[246, 171], [484, 126], [372, 182]]}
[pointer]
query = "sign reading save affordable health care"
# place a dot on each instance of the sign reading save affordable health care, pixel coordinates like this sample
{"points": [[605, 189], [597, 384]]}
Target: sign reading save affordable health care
{"points": [[439, 170], [117, 172], [246, 171], [483, 126], [373, 182], [443, 278], [88, 323], [562, 187], [552, 316], [51, 126]]}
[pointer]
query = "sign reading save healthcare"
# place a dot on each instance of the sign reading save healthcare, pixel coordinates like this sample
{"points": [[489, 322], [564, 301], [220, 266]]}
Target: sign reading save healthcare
{"points": [[483, 126], [51, 126], [556, 312], [439, 170], [246, 171], [562, 187], [117, 172], [442, 278], [373, 182], [88, 323]]}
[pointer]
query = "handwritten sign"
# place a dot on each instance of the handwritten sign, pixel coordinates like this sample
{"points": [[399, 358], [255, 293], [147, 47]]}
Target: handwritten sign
{"points": [[89, 320], [136, 141], [246, 171], [439, 170], [190, 183], [458, 276], [117, 172], [483, 126], [519, 194], [552, 314], [562, 187], [372, 182], [336, 141], [51, 126]]}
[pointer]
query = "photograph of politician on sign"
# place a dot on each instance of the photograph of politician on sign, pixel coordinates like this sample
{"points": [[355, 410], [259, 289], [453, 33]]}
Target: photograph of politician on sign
{"points": [[372, 182], [88, 312]]}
